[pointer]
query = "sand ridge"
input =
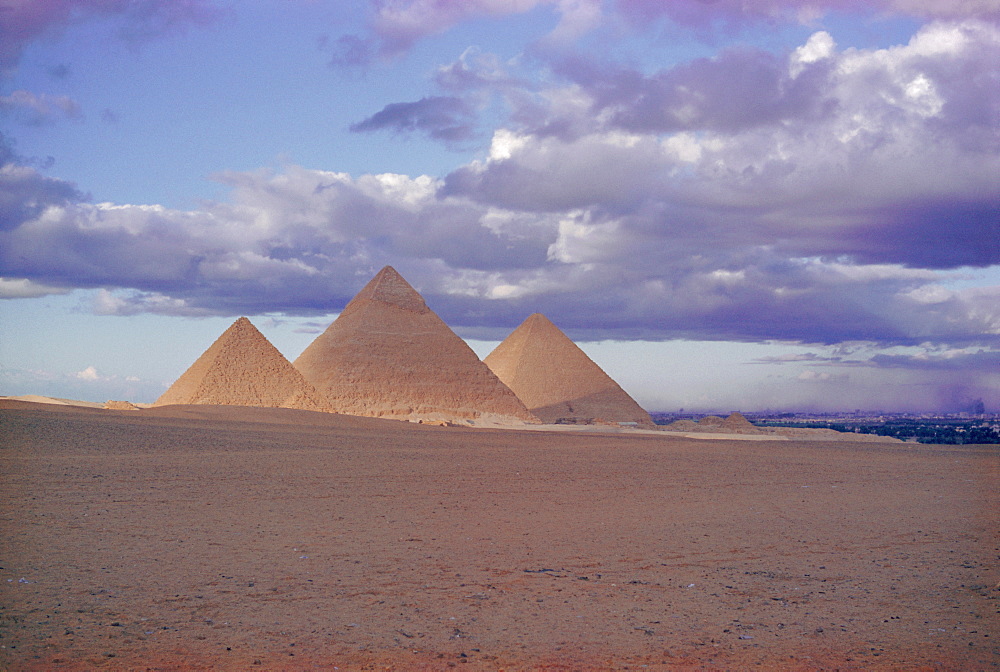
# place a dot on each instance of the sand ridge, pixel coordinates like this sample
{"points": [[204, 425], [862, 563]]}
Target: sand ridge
{"points": [[55, 401]]}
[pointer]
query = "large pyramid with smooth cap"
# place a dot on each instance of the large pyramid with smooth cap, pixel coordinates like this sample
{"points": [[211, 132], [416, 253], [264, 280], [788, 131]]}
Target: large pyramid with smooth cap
{"points": [[557, 381], [242, 368], [389, 355]]}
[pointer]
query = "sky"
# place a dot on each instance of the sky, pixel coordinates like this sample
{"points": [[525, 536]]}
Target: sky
{"points": [[756, 206]]}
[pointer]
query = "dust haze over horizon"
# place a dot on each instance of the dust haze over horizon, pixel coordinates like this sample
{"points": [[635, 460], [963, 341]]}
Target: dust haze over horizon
{"points": [[783, 205]]}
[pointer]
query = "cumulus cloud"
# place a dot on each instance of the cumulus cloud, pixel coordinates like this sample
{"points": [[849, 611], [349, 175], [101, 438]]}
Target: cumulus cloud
{"points": [[25, 193], [299, 241], [89, 373], [837, 170], [304, 241], [820, 195], [741, 88]]}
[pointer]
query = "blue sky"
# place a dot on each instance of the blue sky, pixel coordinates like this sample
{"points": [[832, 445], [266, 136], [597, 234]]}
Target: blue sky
{"points": [[729, 205]]}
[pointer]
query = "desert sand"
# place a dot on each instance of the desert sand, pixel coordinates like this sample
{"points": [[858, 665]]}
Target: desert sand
{"points": [[228, 538]]}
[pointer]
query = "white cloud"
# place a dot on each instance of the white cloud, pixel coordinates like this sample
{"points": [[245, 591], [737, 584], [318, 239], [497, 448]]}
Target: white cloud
{"points": [[506, 143], [20, 288], [581, 241], [89, 373], [818, 47], [931, 294]]}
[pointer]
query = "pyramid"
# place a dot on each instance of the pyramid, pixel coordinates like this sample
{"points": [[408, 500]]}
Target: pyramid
{"points": [[242, 368], [737, 423], [389, 355], [557, 381]]}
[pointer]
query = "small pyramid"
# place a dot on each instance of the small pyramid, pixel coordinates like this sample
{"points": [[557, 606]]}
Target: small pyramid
{"points": [[389, 355], [557, 381], [242, 368], [737, 422]]}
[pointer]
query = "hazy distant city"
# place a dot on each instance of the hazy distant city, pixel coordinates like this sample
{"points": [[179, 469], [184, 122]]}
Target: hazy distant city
{"points": [[974, 426]]}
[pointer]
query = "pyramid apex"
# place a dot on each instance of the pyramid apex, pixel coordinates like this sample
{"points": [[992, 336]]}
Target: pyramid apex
{"points": [[388, 286], [537, 322], [536, 318]]}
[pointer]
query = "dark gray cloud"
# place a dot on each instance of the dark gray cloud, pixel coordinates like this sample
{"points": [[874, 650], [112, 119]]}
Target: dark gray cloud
{"points": [[939, 234], [25, 193], [980, 361], [445, 118]]}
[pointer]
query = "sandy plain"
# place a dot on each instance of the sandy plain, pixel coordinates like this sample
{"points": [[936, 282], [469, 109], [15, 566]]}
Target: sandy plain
{"points": [[217, 538]]}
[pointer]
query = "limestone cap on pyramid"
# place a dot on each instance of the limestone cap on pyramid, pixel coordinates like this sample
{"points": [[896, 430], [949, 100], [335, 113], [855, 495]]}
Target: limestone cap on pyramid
{"points": [[389, 355], [557, 381], [243, 368]]}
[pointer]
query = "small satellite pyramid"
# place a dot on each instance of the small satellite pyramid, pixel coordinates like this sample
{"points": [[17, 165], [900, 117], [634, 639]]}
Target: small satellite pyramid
{"points": [[557, 381], [242, 368], [389, 355]]}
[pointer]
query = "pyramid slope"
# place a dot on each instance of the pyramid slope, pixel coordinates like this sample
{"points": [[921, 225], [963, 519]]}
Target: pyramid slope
{"points": [[242, 368], [389, 355], [556, 380]]}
